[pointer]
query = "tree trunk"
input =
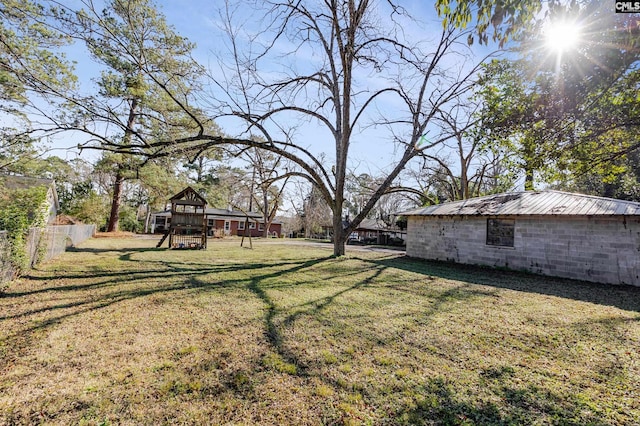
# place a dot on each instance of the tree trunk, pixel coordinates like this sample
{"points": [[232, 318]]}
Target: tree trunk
{"points": [[464, 168], [147, 219], [114, 217], [265, 213], [339, 237], [528, 180], [464, 180]]}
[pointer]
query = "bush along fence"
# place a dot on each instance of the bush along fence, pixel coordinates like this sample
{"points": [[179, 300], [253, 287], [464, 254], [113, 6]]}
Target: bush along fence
{"points": [[7, 269], [41, 244]]}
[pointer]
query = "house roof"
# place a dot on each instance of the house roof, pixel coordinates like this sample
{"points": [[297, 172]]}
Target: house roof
{"points": [[189, 196], [213, 213], [368, 225], [555, 203], [375, 225], [231, 213], [25, 182]]}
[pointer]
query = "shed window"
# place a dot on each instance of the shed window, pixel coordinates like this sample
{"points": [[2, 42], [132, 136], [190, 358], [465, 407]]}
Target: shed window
{"points": [[500, 232]]}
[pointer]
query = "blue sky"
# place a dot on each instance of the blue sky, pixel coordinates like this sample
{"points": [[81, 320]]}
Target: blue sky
{"points": [[198, 21]]}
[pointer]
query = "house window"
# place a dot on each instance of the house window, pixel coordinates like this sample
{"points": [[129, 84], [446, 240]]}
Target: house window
{"points": [[210, 222], [500, 232], [227, 226], [252, 225], [241, 225], [261, 227]]}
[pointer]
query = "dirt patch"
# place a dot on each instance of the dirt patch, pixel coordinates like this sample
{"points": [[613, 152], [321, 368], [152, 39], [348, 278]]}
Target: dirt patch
{"points": [[117, 234], [63, 219]]}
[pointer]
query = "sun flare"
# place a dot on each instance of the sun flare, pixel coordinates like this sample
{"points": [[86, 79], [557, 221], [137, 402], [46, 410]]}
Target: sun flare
{"points": [[562, 36]]}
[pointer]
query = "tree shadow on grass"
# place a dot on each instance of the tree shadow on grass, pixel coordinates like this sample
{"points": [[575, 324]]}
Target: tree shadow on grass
{"points": [[136, 285], [436, 402], [272, 332], [625, 297], [74, 249], [134, 278], [161, 269], [280, 319]]}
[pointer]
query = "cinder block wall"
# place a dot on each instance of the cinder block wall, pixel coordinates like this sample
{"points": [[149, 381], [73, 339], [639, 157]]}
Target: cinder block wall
{"points": [[605, 250]]}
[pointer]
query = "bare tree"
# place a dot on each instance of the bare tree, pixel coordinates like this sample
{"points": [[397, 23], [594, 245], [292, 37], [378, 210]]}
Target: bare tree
{"points": [[332, 89], [389, 205], [463, 176], [267, 169], [310, 209], [315, 214]]}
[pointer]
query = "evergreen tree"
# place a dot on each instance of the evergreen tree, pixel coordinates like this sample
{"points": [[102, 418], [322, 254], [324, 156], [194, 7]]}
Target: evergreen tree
{"points": [[148, 72]]}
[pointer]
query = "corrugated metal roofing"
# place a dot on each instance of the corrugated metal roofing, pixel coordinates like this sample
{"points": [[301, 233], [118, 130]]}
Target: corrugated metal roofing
{"points": [[532, 203], [372, 224]]}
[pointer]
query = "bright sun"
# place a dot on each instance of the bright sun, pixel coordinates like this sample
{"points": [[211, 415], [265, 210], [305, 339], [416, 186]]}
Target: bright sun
{"points": [[562, 36]]}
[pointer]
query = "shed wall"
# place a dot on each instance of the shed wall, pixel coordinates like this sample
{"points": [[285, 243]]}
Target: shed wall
{"points": [[605, 250]]}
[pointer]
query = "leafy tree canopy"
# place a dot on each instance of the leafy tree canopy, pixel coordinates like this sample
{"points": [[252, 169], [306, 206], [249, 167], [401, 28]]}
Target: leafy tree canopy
{"points": [[564, 114], [501, 19], [30, 59]]}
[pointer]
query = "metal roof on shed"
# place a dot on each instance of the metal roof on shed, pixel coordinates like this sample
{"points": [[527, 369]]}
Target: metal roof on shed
{"points": [[532, 203]]}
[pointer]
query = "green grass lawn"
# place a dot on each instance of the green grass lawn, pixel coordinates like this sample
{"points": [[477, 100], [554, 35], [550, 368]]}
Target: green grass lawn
{"points": [[118, 332]]}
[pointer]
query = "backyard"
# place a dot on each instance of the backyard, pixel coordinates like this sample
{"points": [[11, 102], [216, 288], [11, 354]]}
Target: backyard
{"points": [[119, 332]]}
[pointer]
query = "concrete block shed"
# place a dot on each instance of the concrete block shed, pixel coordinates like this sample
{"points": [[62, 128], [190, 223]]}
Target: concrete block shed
{"points": [[546, 232]]}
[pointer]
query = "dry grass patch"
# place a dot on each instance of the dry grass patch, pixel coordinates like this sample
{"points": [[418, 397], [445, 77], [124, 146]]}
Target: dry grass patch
{"points": [[118, 332]]}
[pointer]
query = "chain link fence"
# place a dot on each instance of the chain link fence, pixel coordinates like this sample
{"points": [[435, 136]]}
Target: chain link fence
{"points": [[6, 267], [42, 244], [54, 240]]}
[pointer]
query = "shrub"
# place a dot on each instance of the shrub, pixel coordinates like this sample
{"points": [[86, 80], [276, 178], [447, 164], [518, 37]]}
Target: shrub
{"points": [[93, 208], [20, 210], [129, 220]]}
